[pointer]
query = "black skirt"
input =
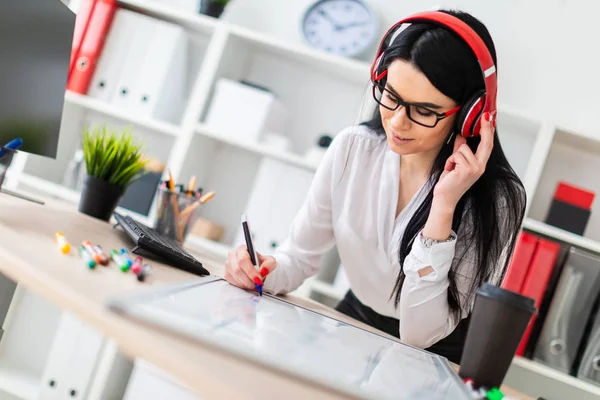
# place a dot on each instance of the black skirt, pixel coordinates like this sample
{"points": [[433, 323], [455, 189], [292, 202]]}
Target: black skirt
{"points": [[450, 347]]}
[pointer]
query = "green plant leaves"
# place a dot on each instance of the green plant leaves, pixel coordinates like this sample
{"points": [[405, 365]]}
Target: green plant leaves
{"points": [[113, 156]]}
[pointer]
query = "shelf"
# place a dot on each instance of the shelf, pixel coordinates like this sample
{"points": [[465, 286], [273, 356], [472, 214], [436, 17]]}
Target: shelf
{"points": [[160, 10], [286, 157], [327, 289], [219, 250], [18, 382], [349, 67], [71, 196], [50, 188], [561, 235], [102, 107], [539, 380]]}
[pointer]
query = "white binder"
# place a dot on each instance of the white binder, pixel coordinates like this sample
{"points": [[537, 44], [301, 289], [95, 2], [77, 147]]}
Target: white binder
{"points": [[161, 81], [139, 34], [115, 51], [72, 360]]}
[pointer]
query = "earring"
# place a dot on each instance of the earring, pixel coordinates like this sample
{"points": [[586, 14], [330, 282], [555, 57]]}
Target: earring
{"points": [[450, 137]]}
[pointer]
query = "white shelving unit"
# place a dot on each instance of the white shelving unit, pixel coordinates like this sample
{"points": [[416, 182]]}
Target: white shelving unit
{"points": [[323, 93]]}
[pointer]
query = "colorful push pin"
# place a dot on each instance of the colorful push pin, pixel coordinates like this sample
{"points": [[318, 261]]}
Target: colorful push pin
{"points": [[136, 267], [87, 257], [141, 276], [125, 255], [104, 260], [65, 247], [119, 260], [494, 394]]}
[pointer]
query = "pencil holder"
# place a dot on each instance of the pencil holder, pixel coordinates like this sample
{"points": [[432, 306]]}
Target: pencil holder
{"points": [[5, 161], [177, 212]]}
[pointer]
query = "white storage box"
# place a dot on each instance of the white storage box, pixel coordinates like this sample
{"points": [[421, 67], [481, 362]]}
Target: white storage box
{"points": [[243, 112]]}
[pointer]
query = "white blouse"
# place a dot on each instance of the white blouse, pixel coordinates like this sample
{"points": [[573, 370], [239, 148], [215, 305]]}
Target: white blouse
{"points": [[352, 204]]}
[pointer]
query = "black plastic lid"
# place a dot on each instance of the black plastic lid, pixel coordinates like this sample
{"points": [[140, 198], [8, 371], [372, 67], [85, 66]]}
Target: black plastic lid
{"points": [[512, 298]]}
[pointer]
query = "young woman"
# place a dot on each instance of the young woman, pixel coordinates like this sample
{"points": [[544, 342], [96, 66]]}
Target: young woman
{"points": [[420, 215]]}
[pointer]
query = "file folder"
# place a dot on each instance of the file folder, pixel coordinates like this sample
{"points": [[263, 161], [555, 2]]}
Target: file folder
{"points": [[91, 46], [115, 51], [72, 360], [520, 262], [536, 281], [159, 90], [589, 367], [138, 31], [81, 23], [569, 311]]}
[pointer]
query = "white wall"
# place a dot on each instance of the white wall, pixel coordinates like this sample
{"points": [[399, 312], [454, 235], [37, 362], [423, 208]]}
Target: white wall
{"points": [[548, 57]]}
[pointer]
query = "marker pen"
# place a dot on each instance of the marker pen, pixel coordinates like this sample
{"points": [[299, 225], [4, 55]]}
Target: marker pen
{"points": [[136, 267], [90, 249], [87, 257], [104, 260], [125, 255], [119, 260], [12, 145], [65, 247], [258, 283]]}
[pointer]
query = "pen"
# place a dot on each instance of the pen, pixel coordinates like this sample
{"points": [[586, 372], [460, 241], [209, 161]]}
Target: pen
{"points": [[136, 267], [126, 257], [104, 260], [90, 249], [12, 145], [258, 283], [65, 247], [141, 276], [196, 203], [119, 260], [175, 207], [87, 257], [190, 189]]}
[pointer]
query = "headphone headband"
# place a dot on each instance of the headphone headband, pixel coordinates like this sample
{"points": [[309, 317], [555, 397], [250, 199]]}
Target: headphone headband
{"points": [[470, 37]]}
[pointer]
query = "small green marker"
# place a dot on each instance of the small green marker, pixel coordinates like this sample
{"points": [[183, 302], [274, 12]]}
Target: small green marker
{"points": [[87, 257], [494, 394], [118, 258]]}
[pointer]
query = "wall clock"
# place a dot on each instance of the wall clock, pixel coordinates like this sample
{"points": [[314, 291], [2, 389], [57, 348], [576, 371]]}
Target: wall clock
{"points": [[343, 27]]}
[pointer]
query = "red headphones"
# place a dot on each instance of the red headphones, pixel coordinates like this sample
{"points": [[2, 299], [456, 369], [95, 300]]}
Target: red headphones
{"points": [[468, 118]]}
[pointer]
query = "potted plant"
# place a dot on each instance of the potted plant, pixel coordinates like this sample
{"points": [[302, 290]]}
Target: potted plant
{"points": [[113, 161], [214, 8]]}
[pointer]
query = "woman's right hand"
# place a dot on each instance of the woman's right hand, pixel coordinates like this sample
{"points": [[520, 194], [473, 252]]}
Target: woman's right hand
{"points": [[240, 272]]}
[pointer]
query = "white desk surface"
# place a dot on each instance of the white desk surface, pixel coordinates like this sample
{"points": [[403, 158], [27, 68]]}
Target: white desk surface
{"points": [[29, 255]]}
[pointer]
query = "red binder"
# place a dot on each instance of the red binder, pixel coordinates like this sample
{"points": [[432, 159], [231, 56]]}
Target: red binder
{"points": [[519, 264], [536, 280], [91, 45], [81, 23]]}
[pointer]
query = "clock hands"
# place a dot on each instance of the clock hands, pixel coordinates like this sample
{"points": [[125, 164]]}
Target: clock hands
{"points": [[338, 27], [351, 25], [326, 16]]}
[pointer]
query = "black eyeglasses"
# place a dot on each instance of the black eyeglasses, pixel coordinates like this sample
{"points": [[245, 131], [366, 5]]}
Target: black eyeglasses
{"points": [[416, 113]]}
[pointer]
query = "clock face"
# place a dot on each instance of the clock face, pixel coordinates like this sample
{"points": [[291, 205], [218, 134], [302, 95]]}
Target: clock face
{"points": [[344, 27]]}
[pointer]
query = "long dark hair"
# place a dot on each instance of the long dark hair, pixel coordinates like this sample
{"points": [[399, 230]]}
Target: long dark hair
{"points": [[492, 210]]}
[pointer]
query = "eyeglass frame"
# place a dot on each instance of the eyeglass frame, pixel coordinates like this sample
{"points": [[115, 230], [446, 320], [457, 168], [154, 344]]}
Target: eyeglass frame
{"points": [[400, 102]]}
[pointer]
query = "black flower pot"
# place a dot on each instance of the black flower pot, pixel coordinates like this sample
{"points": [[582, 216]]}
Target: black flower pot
{"points": [[211, 8], [99, 198]]}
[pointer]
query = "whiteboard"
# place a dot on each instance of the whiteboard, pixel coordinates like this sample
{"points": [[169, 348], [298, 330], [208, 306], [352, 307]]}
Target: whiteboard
{"points": [[281, 335]]}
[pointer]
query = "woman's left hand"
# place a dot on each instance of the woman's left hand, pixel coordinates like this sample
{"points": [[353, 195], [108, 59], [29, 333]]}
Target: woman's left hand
{"points": [[463, 168]]}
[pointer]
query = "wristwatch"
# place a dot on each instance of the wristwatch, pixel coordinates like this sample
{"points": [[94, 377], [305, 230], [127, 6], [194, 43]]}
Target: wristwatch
{"points": [[428, 242]]}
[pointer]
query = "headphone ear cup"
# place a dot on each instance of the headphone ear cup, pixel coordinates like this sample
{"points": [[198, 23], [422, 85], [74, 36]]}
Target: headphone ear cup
{"points": [[467, 120]]}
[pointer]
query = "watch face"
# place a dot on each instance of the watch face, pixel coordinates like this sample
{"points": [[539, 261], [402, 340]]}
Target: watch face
{"points": [[344, 27]]}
